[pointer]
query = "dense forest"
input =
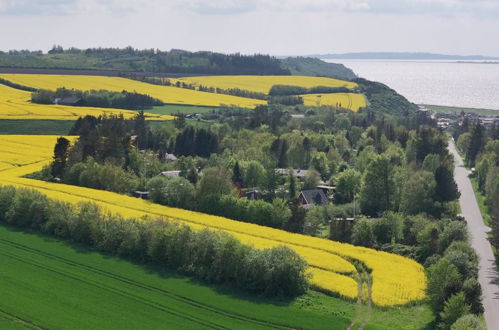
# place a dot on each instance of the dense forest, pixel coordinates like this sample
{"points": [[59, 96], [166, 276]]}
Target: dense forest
{"points": [[174, 61]]}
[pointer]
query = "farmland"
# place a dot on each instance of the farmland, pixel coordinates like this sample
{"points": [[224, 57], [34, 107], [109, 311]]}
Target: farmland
{"points": [[262, 84], [15, 104], [351, 101], [87, 281], [167, 94], [329, 261]]}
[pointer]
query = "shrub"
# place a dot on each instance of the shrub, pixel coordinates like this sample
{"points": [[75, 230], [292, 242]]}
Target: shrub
{"points": [[454, 308]]}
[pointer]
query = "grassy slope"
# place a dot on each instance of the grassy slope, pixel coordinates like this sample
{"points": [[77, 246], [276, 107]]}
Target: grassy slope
{"points": [[439, 108], [89, 290]]}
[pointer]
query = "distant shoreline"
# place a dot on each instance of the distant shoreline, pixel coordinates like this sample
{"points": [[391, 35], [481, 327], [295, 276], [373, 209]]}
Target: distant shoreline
{"points": [[445, 108]]}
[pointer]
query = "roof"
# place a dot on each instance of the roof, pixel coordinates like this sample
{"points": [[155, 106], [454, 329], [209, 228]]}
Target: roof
{"points": [[171, 173], [314, 196], [171, 157], [69, 100]]}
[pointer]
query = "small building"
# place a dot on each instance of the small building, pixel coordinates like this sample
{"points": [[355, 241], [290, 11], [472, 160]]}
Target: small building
{"points": [[141, 194], [169, 158], [171, 174], [68, 100], [309, 198]]}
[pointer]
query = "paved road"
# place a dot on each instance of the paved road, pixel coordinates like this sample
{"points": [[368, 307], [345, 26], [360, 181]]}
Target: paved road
{"points": [[488, 275]]}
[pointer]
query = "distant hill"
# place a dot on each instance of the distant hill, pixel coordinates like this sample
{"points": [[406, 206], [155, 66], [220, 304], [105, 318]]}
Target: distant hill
{"points": [[309, 66], [147, 60], [404, 56]]}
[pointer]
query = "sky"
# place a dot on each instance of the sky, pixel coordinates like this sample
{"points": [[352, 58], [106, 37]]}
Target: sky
{"points": [[277, 27]]}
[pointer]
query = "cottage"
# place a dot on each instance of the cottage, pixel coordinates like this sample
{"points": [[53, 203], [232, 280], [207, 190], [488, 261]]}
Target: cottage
{"points": [[309, 198]]}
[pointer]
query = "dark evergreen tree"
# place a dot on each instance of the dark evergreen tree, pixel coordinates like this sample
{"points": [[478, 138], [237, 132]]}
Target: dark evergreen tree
{"points": [[446, 189], [236, 176], [60, 157]]}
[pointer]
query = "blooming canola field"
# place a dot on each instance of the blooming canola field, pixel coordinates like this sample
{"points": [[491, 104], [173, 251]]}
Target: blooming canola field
{"points": [[167, 94], [263, 84], [396, 280], [15, 104], [351, 101]]}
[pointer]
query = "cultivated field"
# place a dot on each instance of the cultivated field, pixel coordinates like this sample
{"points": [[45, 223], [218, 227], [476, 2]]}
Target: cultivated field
{"points": [[396, 280], [262, 84], [167, 94], [49, 284], [15, 104], [351, 101]]}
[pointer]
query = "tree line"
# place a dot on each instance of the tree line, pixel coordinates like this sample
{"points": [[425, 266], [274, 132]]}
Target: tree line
{"points": [[210, 256], [96, 98]]}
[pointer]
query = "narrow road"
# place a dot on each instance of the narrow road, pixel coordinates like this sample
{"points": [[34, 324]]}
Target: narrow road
{"points": [[488, 275]]}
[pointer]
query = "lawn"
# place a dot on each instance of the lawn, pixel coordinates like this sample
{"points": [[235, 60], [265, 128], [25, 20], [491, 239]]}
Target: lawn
{"points": [[172, 109], [46, 283], [38, 127]]}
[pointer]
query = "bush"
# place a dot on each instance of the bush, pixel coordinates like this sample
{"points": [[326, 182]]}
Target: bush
{"points": [[454, 308], [444, 280], [468, 322]]}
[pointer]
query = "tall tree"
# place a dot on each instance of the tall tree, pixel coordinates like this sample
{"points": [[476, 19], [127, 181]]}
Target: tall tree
{"points": [[477, 143], [378, 188], [60, 157]]}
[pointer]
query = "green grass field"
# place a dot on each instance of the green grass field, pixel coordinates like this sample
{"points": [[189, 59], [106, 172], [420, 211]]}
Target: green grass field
{"points": [[37, 127], [46, 283], [439, 108], [171, 109]]}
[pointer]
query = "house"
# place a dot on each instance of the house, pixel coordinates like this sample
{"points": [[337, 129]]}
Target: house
{"points": [[68, 100], [171, 174], [309, 198], [169, 158]]}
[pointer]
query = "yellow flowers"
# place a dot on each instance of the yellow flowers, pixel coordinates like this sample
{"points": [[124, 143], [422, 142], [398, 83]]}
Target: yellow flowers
{"points": [[396, 280], [351, 101], [263, 84], [15, 104], [167, 94]]}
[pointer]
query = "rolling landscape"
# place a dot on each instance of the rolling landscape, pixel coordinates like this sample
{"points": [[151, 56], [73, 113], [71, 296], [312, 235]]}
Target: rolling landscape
{"points": [[229, 188]]}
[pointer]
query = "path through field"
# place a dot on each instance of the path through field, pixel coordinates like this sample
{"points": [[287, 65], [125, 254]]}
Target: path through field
{"points": [[488, 275]]}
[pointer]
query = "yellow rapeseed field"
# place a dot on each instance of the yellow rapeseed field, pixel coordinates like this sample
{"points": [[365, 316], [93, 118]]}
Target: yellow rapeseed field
{"points": [[351, 101], [166, 94], [15, 104], [262, 84], [396, 280]]}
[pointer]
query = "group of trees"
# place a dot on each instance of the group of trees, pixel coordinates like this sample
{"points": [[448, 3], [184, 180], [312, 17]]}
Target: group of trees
{"points": [[96, 98], [147, 60], [287, 90], [480, 146], [210, 256]]}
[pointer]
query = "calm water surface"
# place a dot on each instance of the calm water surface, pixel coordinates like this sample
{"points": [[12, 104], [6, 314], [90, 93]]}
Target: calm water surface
{"points": [[471, 85]]}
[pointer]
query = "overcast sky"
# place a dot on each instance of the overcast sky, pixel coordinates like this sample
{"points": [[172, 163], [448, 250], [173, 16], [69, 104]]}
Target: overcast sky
{"points": [[278, 27]]}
